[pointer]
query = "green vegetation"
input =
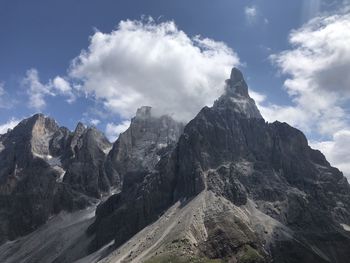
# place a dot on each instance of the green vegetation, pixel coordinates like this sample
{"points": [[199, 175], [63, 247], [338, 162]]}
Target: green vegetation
{"points": [[250, 256]]}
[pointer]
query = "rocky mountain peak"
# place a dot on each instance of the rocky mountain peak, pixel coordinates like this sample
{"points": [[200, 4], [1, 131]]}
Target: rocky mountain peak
{"points": [[42, 132], [38, 120], [144, 112], [236, 97], [236, 85], [143, 144], [80, 128]]}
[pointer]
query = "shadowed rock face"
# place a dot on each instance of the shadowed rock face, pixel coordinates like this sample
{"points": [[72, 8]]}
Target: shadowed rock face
{"points": [[85, 172], [229, 150]]}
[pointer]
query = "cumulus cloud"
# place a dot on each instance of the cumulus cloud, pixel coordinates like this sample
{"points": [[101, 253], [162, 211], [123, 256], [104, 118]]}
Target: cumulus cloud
{"points": [[113, 130], [337, 150], [37, 91], [62, 87], [317, 68], [10, 124], [145, 63]]}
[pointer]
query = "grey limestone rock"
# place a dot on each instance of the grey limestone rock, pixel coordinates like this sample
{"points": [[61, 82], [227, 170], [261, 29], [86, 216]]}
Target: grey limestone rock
{"points": [[230, 150]]}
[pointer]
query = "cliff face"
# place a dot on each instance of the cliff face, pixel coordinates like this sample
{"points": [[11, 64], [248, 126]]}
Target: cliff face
{"points": [[300, 204], [228, 187], [142, 145], [44, 169]]}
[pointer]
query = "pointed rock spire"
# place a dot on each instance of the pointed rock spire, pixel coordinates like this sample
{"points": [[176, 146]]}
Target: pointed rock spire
{"points": [[236, 85], [236, 97]]}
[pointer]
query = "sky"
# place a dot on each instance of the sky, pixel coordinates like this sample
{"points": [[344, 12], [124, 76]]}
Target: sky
{"points": [[98, 61]]}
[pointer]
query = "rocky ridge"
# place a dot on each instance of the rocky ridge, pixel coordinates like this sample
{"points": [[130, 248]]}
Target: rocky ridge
{"points": [[272, 197], [227, 187], [45, 169]]}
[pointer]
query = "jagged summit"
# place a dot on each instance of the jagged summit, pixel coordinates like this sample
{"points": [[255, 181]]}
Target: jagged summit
{"points": [[236, 97], [79, 128], [235, 188], [228, 187], [236, 84], [37, 119], [144, 112], [141, 146]]}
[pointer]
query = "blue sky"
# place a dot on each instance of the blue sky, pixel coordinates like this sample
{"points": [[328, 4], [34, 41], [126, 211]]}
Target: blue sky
{"points": [[271, 41]]}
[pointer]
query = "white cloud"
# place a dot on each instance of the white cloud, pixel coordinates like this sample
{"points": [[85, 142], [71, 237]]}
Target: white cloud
{"points": [[10, 124], [3, 103], [62, 87], [254, 16], [37, 90], [95, 122], [318, 66], [337, 150], [113, 130], [144, 63], [250, 13], [2, 90]]}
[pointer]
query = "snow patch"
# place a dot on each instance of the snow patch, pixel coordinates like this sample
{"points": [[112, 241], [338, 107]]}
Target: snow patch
{"points": [[55, 163], [2, 147], [346, 227], [61, 172], [52, 161], [245, 106], [107, 150], [161, 145]]}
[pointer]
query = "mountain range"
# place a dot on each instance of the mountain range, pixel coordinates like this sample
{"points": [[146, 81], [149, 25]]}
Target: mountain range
{"points": [[225, 187]]}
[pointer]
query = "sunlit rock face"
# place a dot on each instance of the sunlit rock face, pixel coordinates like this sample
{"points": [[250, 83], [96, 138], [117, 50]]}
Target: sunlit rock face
{"points": [[142, 145], [39, 163]]}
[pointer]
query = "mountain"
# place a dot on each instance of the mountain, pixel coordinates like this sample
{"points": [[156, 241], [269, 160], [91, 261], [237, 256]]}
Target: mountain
{"points": [[44, 169], [142, 145], [235, 188], [226, 187], [51, 180]]}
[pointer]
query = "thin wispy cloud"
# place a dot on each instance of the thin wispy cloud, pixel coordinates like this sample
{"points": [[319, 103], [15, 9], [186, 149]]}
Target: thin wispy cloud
{"points": [[38, 91], [254, 16], [311, 9], [6, 101], [10, 124], [251, 13], [114, 130]]}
